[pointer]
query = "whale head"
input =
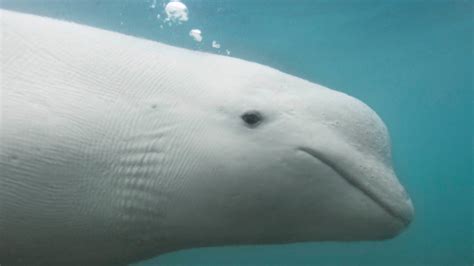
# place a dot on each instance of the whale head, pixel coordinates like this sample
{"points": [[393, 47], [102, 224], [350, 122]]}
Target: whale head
{"points": [[277, 159], [230, 152]]}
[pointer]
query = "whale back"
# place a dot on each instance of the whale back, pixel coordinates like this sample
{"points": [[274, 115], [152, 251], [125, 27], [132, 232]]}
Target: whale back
{"points": [[86, 139]]}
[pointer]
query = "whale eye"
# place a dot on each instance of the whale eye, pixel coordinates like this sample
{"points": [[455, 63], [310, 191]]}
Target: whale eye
{"points": [[252, 118]]}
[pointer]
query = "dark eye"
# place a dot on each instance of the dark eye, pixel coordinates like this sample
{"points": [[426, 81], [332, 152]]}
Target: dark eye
{"points": [[252, 118]]}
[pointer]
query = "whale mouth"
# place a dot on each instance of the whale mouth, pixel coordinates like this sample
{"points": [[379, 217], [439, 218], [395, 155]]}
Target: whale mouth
{"points": [[355, 183]]}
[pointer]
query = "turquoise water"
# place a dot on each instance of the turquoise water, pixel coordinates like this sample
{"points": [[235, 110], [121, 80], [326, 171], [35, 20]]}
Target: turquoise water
{"points": [[411, 61]]}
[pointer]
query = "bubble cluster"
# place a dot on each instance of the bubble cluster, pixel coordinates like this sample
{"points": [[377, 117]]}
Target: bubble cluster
{"points": [[196, 35], [216, 45], [176, 13], [153, 4]]}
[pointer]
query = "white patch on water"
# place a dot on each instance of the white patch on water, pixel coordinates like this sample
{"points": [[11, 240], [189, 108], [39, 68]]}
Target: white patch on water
{"points": [[227, 52], [176, 12], [196, 35]]}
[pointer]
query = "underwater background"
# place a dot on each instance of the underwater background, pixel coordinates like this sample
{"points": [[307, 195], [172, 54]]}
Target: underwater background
{"points": [[411, 61]]}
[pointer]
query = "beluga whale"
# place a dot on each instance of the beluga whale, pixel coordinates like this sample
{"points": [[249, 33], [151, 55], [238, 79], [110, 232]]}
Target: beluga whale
{"points": [[115, 149]]}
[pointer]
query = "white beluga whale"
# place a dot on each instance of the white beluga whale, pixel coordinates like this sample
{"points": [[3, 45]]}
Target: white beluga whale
{"points": [[114, 149]]}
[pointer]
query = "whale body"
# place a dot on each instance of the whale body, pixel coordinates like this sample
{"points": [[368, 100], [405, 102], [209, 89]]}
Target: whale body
{"points": [[114, 149]]}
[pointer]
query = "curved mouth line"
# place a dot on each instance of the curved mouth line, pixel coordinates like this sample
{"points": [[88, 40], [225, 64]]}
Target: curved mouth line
{"points": [[353, 182]]}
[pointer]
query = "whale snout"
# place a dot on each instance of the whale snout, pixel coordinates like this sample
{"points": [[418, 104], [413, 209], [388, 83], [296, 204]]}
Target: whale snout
{"points": [[400, 220], [377, 182], [406, 212], [402, 212], [350, 143], [378, 200]]}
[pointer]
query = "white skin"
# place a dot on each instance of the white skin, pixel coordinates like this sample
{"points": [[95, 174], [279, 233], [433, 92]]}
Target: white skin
{"points": [[116, 149]]}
